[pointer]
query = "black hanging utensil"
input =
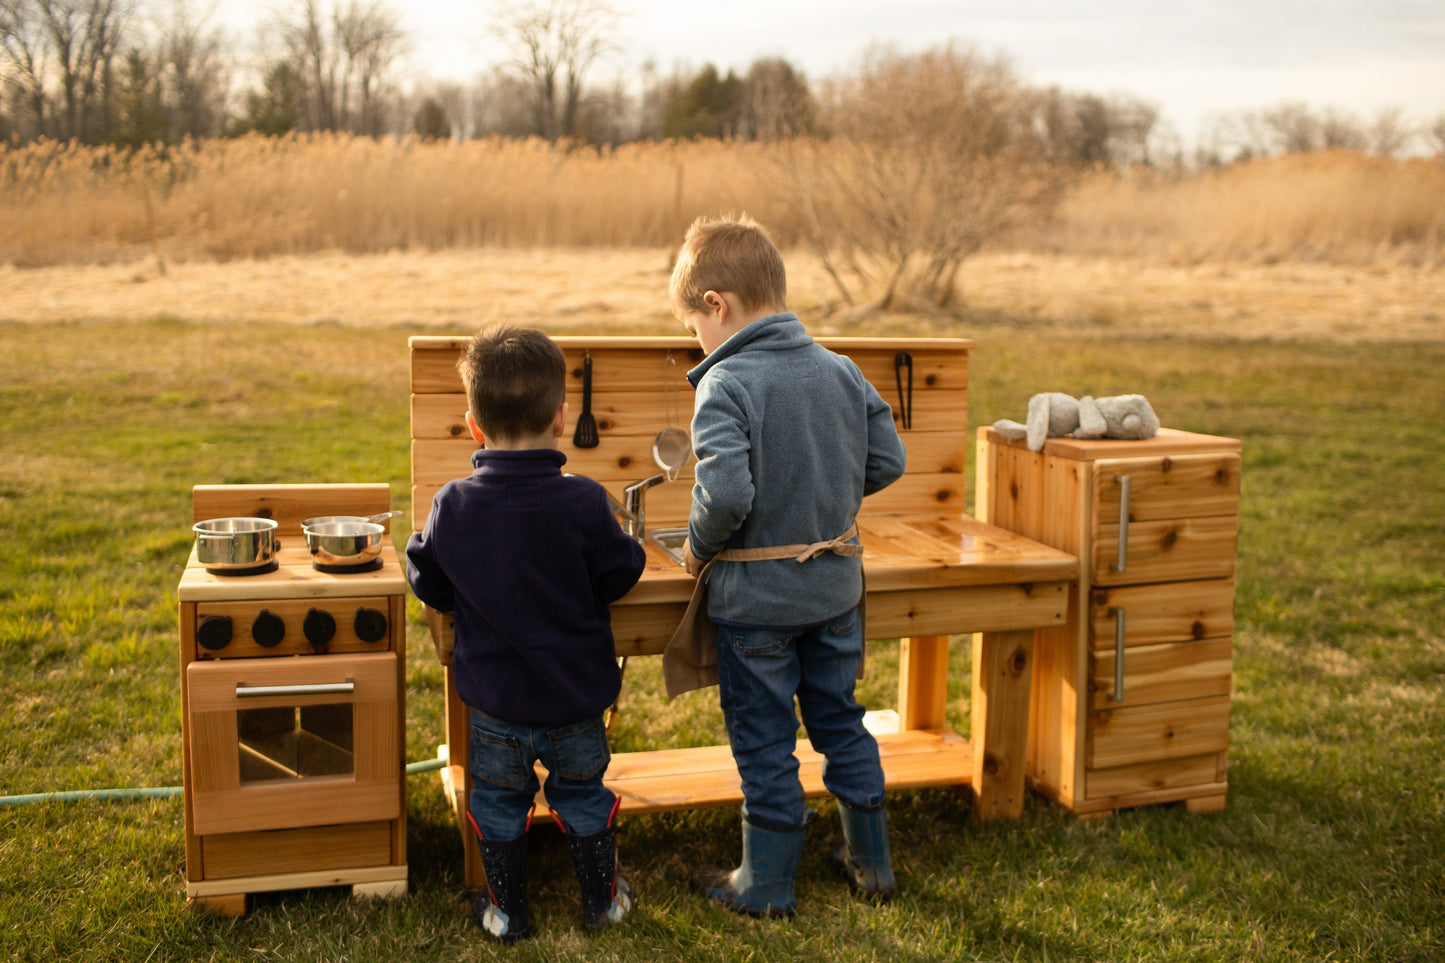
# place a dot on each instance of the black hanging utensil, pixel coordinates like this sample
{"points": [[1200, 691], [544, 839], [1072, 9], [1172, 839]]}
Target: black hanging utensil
{"points": [[586, 434], [903, 360]]}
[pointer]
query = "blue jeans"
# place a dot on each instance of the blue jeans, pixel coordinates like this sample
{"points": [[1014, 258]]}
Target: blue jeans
{"points": [[760, 670], [504, 784]]}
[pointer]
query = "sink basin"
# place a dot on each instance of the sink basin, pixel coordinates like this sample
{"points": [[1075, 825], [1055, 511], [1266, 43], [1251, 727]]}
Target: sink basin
{"points": [[669, 540]]}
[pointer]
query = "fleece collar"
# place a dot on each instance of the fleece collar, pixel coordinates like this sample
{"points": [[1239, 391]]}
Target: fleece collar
{"points": [[776, 332]]}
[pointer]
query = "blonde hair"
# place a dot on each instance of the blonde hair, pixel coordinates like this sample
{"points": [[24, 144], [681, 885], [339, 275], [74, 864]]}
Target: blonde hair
{"points": [[731, 253]]}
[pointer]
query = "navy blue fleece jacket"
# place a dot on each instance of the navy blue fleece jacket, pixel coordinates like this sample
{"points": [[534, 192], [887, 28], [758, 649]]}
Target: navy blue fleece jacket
{"points": [[528, 560]]}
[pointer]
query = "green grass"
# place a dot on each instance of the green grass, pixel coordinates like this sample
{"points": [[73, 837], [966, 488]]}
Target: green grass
{"points": [[1332, 844]]}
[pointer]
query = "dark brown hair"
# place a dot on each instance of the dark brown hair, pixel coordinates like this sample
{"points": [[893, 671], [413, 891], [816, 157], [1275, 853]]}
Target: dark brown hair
{"points": [[516, 379]]}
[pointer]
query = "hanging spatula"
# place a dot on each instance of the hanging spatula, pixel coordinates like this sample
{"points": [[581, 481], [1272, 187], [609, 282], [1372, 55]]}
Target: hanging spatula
{"points": [[586, 434]]}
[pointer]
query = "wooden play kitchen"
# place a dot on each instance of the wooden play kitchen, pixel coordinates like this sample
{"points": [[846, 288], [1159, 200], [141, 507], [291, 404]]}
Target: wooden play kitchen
{"points": [[293, 706], [1131, 697], [932, 571]]}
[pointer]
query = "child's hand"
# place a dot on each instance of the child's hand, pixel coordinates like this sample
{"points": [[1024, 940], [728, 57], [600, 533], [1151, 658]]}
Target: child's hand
{"points": [[693, 563]]}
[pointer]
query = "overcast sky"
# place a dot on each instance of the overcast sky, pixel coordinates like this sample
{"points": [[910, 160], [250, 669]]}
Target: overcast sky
{"points": [[1191, 59]]}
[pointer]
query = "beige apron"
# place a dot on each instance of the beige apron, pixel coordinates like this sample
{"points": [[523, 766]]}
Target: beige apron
{"points": [[690, 659]]}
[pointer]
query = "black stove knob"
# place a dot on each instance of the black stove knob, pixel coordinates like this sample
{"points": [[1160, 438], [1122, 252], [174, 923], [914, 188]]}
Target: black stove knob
{"points": [[318, 627], [214, 632], [370, 625], [268, 629]]}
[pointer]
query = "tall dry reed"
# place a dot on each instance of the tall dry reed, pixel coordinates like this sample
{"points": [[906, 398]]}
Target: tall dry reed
{"points": [[256, 197], [1337, 206]]}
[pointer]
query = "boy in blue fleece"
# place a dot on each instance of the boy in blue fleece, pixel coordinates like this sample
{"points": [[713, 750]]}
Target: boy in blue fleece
{"points": [[528, 559], [789, 437]]}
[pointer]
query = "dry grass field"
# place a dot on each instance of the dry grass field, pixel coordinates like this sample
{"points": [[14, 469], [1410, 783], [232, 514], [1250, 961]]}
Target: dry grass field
{"points": [[624, 291], [1332, 246]]}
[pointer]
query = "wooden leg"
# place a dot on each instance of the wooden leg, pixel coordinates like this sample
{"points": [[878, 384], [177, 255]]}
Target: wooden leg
{"points": [[232, 904], [1204, 804], [922, 682], [1002, 675], [457, 780], [384, 889]]}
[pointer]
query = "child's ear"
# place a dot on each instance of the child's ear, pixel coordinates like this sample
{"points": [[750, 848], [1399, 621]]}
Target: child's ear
{"points": [[559, 423], [476, 430]]}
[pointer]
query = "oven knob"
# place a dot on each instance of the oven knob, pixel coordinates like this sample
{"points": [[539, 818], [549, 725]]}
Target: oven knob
{"points": [[318, 627], [370, 625], [269, 629], [214, 632]]}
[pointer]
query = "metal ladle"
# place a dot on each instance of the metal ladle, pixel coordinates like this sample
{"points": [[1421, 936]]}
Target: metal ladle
{"points": [[673, 445]]}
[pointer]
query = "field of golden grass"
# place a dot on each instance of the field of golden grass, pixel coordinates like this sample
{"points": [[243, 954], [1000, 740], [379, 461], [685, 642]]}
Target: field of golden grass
{"points": [[623, 291], [1332, 246]]}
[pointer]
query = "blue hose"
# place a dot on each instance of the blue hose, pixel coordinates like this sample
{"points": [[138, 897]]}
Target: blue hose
{"points": [[162, 792]]}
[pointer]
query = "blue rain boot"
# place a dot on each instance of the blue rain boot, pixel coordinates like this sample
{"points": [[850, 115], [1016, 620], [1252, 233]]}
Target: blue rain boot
{"points": [[606, 896], [763, 884], [864, 858], [501, 908]]}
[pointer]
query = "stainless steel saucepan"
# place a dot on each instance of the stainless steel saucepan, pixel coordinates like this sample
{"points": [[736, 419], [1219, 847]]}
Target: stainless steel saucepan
{"points": [[344, 543], [227, 544]]}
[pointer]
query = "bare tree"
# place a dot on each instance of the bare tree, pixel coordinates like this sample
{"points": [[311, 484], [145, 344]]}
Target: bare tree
{"points": [[1389, 134], [73, 43], [192, 57], [554, 43], [344, 53], [927, 157]]}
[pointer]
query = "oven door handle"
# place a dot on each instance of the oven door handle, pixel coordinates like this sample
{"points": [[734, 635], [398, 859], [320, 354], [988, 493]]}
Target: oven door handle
{"points": [[313, 688]]}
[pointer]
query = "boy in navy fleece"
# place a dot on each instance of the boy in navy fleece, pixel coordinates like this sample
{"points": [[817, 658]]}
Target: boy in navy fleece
{"points": [[528, 560], [789, 437]]}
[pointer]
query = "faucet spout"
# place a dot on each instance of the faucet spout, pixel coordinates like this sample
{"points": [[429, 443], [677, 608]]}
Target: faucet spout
{"points": [[634, 506]]}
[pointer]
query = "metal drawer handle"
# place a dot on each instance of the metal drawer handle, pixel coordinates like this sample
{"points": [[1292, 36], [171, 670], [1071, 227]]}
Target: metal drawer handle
{"points": [[1118, 655], [1121, 561], [314, 688]]}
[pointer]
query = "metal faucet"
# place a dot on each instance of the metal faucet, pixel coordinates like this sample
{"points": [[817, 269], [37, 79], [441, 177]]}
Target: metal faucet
{"points": [[634, 506]]}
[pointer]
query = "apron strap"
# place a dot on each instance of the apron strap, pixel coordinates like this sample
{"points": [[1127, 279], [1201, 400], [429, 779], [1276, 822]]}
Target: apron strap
{"points": [[799, 553]]}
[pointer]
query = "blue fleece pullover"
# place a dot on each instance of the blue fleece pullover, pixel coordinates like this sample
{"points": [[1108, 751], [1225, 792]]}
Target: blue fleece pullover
{"points": [[528, 559], [789, 437]]}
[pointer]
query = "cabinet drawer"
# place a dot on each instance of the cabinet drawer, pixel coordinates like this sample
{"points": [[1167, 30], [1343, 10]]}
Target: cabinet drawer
{"points": [[1165, 730], [1174, 486], [1166, 551], [1165, 612], [1156, 777], [1163, 673]]}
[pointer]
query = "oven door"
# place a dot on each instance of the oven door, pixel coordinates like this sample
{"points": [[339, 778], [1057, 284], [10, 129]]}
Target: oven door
{"points": [[290, 742]]}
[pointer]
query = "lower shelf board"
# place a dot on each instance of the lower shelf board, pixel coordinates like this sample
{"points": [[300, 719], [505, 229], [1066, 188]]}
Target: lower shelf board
{"points": [[663, 780], [373, 880]]}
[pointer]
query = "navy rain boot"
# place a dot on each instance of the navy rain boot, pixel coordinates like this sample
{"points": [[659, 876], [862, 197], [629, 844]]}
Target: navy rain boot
{"points": [[501, 909], [864, 858], [763, 884], [606, 896]]}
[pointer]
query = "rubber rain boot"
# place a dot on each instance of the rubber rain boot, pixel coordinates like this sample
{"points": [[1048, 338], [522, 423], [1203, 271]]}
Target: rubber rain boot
{"points": [[864, 857], [606, 896], [763, 884], [501, 909]]}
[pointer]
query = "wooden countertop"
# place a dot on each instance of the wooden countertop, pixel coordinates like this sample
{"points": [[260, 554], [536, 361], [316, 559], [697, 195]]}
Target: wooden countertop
{"points": [[903, 552], [294, 578]]}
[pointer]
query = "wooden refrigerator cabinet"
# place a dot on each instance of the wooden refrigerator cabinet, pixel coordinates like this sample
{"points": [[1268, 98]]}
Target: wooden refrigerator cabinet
{"points": [[1131, 697]]}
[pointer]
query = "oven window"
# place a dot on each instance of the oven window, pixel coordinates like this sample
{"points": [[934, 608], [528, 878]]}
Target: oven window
{"points": [[296, 742]]}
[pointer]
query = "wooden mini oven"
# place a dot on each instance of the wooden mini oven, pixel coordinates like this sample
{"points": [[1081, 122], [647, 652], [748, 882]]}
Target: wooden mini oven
{"points": [[293, 706]]}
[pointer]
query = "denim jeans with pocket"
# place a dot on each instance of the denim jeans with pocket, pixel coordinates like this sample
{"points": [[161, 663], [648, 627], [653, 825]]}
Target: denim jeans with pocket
{"points": [[504, 784], [760, 670]]}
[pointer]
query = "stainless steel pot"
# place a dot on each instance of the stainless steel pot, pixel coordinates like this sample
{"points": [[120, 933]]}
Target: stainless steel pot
{"points": [[235, 543], [324, 519], [344, 543]]}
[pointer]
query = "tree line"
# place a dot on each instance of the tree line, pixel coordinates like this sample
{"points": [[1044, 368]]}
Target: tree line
{"points": [[131, 72]]}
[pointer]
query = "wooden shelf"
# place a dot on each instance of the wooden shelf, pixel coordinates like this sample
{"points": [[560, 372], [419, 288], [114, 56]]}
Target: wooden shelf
{"points": [[664, 780]]}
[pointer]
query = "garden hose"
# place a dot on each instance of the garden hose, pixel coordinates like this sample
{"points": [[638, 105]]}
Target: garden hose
{"points": [[161, 792]]}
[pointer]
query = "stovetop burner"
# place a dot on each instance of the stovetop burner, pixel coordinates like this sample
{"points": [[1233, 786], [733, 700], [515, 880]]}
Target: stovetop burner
{"points": [[263, 569], [370, 566]]}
